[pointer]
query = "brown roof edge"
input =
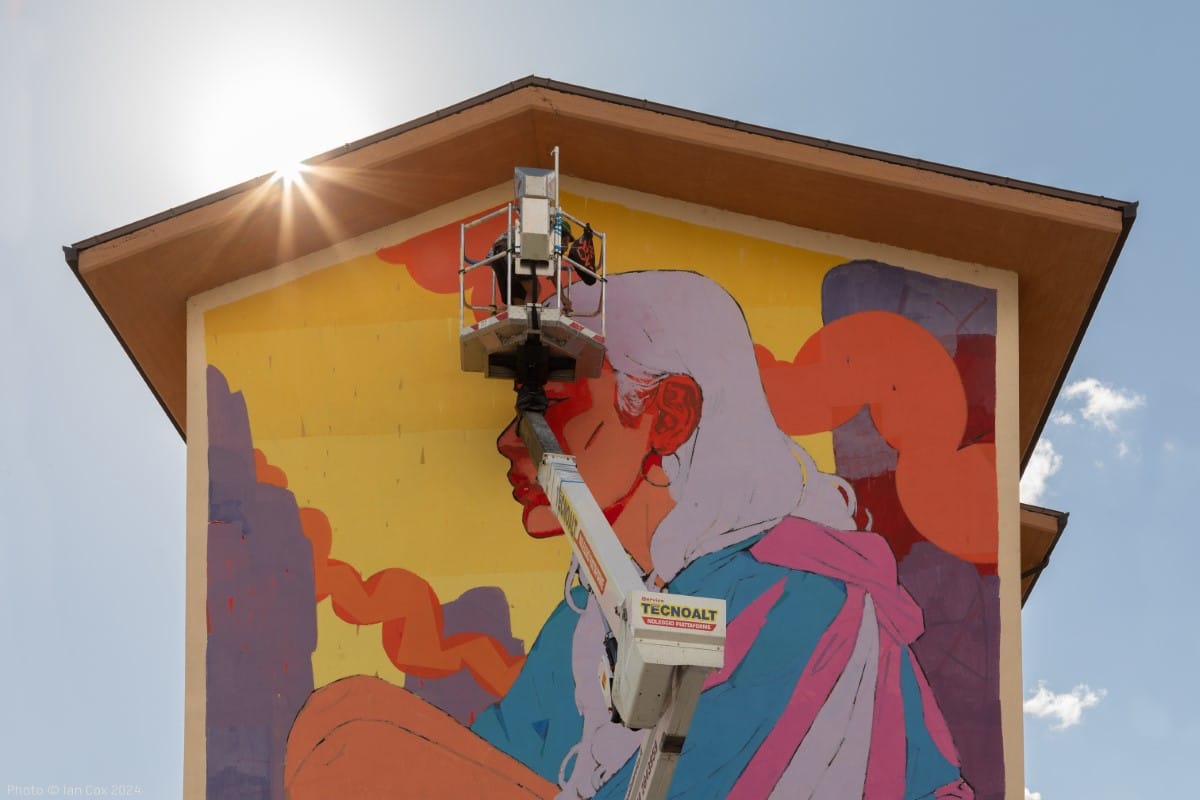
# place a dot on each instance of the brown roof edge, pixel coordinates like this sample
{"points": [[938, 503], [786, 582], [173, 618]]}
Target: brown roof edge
{"points": [[72, 256], [826, 144], [1035, 572], [1128, 215], [1127, 208]]}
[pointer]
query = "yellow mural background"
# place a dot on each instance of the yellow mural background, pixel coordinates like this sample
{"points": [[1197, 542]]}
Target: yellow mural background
{"points": [[352, 382]]}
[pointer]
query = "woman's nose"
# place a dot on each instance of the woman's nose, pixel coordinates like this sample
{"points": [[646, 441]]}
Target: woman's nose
{"points": [[509, 442]]}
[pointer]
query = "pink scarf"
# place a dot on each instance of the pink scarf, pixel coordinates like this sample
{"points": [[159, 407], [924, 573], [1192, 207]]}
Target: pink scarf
{"points": [[865, 564]]}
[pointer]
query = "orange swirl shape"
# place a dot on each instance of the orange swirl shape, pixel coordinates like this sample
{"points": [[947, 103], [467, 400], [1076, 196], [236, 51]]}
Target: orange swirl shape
{"points": [[916, 398], [403, 604]]}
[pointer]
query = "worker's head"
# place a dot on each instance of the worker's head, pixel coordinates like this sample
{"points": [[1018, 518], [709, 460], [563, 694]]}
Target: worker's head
{"points": [[675, 438]]}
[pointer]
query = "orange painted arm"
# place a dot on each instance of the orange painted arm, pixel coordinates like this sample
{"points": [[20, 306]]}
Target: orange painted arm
{"points": [[364, 737]]}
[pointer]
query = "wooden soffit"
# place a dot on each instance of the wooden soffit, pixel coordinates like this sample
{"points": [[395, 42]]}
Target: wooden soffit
{"points": [[1062, 245], [1041, 528]]}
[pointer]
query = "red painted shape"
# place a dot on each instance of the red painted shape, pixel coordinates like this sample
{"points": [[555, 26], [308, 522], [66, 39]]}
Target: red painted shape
{"points": [[430, 258], [975, 359], [879, 506]]}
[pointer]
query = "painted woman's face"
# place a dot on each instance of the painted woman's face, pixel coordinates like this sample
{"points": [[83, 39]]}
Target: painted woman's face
{"points": [[609, 448]]}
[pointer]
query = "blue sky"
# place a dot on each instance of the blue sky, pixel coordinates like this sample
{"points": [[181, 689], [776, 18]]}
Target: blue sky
{"points": [[110, 112]]}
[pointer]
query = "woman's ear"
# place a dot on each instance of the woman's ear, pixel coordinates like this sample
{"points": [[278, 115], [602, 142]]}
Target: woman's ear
{"points": [[677, 413]]}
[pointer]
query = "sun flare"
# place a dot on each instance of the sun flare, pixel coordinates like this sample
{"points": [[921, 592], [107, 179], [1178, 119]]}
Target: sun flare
{"points": [[290, 174]]}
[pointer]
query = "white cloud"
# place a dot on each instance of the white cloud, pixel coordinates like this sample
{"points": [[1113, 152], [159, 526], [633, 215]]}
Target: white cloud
{"points": [[1067, 708], [1062, 418], [1032, 795], [1102, 404], [1122, 450], [1044, 462]]}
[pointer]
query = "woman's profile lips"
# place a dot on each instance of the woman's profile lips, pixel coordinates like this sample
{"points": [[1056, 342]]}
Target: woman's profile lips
{"points": [[526, 492]]}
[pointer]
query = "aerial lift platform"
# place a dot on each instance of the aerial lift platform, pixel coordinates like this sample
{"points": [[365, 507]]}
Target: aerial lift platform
{"points": [[661, 647]]}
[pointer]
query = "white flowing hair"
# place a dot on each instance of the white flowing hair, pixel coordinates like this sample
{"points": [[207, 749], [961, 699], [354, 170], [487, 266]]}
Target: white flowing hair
{"points": [[737, 476]]}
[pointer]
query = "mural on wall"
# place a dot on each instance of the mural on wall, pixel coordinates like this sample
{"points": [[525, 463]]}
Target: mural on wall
{"points": [[391, 605]]}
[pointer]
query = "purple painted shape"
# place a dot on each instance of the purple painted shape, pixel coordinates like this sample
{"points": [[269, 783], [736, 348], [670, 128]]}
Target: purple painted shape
{"points": [[231, 480], [260, 607], [960, 656], [483, 609], [947, 309], [959, 651], [935, 722], [860, 451]]}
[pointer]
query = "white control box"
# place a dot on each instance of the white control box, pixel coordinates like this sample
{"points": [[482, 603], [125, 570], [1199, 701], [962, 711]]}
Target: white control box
{"points": [[664, 633]]}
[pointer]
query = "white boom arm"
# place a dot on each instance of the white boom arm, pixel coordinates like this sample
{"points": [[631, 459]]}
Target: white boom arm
{"points": [[661, 646], [665, 644]]}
